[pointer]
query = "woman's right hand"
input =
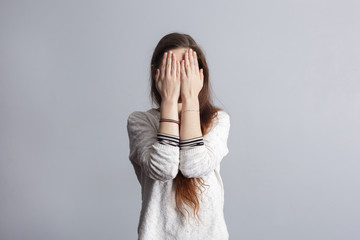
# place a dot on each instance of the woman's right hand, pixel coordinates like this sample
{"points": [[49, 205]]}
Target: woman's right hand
{"points": [[168, 78]]}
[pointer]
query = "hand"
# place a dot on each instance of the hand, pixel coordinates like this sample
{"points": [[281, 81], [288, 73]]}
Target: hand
{"points": [[168, 78], [191, 77]]}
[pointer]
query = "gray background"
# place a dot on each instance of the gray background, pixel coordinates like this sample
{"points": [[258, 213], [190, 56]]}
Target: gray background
{"points": [[286, 71]]}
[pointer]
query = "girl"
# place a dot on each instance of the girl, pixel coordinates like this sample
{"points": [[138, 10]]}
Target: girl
{"points": [[176, 148]]}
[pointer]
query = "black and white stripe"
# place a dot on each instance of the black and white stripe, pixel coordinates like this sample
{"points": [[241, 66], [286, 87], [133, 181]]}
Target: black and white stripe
{"points": [[168, 139], [191, 143]]}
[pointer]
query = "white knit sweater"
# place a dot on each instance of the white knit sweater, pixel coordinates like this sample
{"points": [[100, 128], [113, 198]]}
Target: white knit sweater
{"points": [[156, 165]]}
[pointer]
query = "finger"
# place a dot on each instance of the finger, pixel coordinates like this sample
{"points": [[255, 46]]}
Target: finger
{"points": [[187, 63], [196, 61], [182, 68], [157, 75], [173, 65], [168, 64], [191, 58], [177, 69], [202, 74], [157, 82], [163, 64]]}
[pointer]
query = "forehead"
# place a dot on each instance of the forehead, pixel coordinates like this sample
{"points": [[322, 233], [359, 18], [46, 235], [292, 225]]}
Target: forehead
{"points": [[179, 52]]}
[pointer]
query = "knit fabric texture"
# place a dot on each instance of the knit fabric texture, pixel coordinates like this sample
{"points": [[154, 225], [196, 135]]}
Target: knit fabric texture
{"points": [[157, 158]]}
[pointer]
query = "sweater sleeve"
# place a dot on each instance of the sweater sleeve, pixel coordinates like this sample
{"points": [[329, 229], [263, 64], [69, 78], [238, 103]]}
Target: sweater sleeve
{"points": [[157, 160], [201, 160]]}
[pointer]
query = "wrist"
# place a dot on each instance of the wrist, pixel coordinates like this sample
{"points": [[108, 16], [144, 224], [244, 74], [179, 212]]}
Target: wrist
{"points": [[190, 106], [190, 102], [169, 109], [168, 102]]}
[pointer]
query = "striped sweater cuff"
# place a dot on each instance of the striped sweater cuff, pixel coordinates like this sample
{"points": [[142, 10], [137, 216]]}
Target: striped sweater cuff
{"points": [[191, 143], [168, 139]]}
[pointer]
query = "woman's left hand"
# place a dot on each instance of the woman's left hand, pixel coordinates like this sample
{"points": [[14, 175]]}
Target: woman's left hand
{"points": [[191, 77]]}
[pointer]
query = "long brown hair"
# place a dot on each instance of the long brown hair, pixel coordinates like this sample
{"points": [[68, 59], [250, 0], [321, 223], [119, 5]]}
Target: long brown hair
{"points": [[186, 188]]}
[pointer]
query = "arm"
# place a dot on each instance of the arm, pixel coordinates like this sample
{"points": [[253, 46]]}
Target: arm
{"points": [[168, 132], [156, 151], [190, 120], [157, 160], [169, 109], [190, 130], [207, 151], [201, 160]]}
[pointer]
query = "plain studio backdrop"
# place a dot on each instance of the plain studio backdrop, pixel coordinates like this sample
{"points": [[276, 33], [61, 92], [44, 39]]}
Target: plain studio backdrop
{"points": [[287, 72]]}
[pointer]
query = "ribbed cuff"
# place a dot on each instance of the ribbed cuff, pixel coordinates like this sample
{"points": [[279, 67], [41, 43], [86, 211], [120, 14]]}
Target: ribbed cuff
{"points": [[168, 139], [191, 143]]}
